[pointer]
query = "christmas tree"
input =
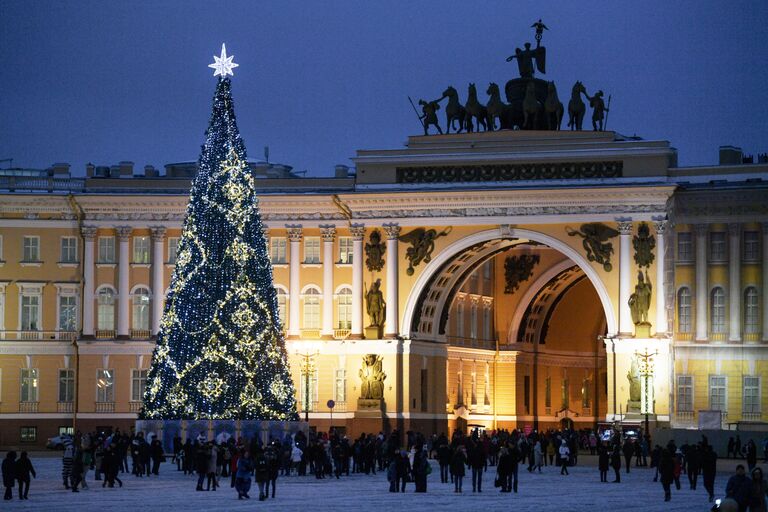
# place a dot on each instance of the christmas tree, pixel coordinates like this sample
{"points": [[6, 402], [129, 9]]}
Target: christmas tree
{"points": [[220, 351]]}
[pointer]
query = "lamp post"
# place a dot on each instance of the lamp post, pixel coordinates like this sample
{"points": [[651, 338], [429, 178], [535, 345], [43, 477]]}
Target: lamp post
{"points": [[646, 370], [308, 351]]}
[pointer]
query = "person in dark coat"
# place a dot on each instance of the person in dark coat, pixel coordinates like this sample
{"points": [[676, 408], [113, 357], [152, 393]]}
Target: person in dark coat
{"points": [[9, 474], [23, 471], [419, 468], [201, 465], [629, 450], [504, 469], [603, 461], [739, 488], [751, 455], [515, 457], [243, 475], [273, 463], [111, 464], [616, 463], [156, 454], [666, 472], [757, 499], [458, 461], [693, 461], [261, 473], [444, 458], [477, 461], [402, 470], [709, 469]]}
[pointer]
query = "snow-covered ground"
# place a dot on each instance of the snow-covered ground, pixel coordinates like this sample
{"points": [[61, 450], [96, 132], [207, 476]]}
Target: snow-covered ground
{"points": [[581, 491]]}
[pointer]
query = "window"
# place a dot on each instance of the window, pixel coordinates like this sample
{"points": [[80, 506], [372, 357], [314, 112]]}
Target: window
{"points": [[1, 247], [527, 394], [345, 249], [29, 384], [345, 308], [67, 313], [473, 322], [460, 320], [685, 246], [717, 311], [106, 316], [30, 312], [717, 246], [751, 399], [684, 323], [173, 249], [717, 393], [751, 246], [282, 304], [140, 313], [586, 400], [277, 248], [312, 249], [66, 385], [486, 323], [751, 311], [105, 385], [566, 398], [31, 250], [138, 383], [68, 249], [487, 270], [67, 431], [312, 309], [340, 389], [685, 393], [548, 392], [141, 249], [106, 249], [28, 434]]}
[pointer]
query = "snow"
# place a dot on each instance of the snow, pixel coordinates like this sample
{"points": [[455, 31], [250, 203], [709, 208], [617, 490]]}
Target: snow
{"points": [[580, 491]]}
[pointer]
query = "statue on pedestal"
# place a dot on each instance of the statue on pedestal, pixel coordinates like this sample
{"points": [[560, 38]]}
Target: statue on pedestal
{"points": [[640, 301], [376, 308], [633, 376]]}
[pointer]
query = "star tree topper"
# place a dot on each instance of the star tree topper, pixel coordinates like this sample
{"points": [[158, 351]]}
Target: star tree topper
{"points": [[223, 65]]}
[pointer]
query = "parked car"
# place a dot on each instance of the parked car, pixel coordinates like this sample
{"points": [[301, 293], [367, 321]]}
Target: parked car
{"points": [[57, 442]]}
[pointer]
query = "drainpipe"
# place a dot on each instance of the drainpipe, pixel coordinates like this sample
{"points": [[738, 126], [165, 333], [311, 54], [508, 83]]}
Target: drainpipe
{"points": [[78, 213], [495, 376]]}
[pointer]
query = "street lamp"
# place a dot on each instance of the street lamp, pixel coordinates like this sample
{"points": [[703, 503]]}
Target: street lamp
{"points": [[308, 351], [646, 369]]}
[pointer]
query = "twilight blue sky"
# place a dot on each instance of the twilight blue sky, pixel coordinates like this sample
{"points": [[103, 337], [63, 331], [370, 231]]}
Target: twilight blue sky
{"points": [[103, 81]]}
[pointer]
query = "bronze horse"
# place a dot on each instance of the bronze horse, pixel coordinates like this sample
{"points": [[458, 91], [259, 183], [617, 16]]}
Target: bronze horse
{"points": [[576, 107], [531, 108], [553, 108], [453, 111], [475, 110], [496, 108]]}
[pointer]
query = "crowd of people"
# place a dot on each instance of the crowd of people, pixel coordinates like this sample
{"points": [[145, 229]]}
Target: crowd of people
{"points": [[403, 459]]}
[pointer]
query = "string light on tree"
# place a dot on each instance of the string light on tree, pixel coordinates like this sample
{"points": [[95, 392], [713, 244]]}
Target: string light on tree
{"points": [[220, 351]]}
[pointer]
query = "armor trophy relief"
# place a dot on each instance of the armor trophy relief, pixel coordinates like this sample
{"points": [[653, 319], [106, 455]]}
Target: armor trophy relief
{"points": [[531, 103]]}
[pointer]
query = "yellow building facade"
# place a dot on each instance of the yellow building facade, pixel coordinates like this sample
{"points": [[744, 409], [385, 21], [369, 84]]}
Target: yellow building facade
{"points": [[507, 262]]}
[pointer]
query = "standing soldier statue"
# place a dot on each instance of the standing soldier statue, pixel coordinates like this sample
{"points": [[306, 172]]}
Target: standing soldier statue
{"points": [[598, 109]]}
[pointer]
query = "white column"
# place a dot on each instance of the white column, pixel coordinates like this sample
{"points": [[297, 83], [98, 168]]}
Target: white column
{"points": [[329, 234], [89, 265], [625, 315], [294, 286], [158, 277], [661, 309], [358, 233], [701, 281], [765, 282], [734, 281], [391, 321], [123, 282]]}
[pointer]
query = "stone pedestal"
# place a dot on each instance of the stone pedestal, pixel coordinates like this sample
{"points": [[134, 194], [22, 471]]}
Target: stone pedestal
{"points": [[633, 407], [373, 332], [643, 330]]}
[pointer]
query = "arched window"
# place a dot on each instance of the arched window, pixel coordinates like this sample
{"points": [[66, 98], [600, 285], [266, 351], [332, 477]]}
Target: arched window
{"points": [[717, 311], [751, 311], [140, 309], [106, 316], [684, 310], [312, 308], [282, 305], [345, 308]]}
